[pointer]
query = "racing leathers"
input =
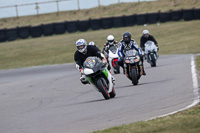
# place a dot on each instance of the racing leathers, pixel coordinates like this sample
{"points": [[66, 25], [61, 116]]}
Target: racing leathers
{"points": [[91, 51], [122, 47], [81, 57], [143, 40], [106, 48]]}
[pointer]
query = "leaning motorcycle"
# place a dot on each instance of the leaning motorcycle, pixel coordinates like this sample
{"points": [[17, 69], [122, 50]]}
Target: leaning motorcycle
{"points": [[97, 74], [113, 59], [151, 53], [133, 66]]}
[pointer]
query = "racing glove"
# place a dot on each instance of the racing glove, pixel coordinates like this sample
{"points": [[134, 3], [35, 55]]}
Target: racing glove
{"points": [[104, 61]]}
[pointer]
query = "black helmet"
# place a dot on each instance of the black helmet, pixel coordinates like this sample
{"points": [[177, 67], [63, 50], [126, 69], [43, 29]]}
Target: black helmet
{"points": [[127, 37]]}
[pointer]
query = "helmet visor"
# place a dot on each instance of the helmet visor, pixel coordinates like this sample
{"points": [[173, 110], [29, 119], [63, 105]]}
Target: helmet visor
{"points": [[126, 39], [80, 47], [146, 35]]}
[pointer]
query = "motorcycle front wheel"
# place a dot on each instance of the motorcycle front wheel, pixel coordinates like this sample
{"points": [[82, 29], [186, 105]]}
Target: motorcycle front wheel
{"points": [[112, 94], [153, 60], [134, 76], [117, 68], [103, 87]]}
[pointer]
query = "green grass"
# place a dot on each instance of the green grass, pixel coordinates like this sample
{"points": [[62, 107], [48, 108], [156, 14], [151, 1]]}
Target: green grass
{"points": [[103, 11], [173, 38]]}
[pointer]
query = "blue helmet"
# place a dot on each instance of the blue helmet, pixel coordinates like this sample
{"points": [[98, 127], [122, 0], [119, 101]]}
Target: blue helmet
{"points": [[81, 45]]}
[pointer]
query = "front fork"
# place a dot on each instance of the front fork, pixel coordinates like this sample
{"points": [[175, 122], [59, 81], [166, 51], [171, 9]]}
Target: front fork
{"points": [[128, 69]]}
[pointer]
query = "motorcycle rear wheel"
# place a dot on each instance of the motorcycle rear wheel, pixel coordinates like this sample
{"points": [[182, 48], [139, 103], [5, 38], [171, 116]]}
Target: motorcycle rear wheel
{"points": [[103, 88]]}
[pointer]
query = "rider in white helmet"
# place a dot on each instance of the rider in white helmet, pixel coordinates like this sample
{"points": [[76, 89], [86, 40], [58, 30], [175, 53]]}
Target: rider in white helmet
{"points": [[146, 37], [110, 42]]}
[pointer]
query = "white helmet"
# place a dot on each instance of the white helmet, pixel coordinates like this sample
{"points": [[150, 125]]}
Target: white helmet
{"points": [[81, 45], [110, 38], [91, 43], [145, 33]]}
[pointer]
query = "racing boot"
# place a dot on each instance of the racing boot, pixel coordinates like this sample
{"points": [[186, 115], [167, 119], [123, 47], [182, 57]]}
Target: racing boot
{"points": [[84, 80]]}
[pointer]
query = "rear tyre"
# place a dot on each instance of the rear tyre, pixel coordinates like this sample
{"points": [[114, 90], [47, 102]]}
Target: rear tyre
{"points": [[134, 76], [103, 88]]}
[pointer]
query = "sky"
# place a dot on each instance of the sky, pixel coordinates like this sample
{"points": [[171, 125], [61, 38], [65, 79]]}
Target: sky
{"points": [[63, 5]]}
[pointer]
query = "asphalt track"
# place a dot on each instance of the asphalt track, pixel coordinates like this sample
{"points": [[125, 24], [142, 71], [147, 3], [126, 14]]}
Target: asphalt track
{"points": [[51, 99]]}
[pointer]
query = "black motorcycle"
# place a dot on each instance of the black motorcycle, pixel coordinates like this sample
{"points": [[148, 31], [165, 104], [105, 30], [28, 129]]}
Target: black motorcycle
{"points": [[133, 66]]}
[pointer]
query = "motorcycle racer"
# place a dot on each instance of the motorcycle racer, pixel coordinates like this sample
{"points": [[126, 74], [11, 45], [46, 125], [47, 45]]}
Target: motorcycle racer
{"points": [[110, 42], [147, 37], [84, 51], [125, 44]]}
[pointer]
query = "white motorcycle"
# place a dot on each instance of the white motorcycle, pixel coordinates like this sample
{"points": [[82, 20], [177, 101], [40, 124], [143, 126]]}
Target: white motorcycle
{"points": [[151, 53], [113, 59]]}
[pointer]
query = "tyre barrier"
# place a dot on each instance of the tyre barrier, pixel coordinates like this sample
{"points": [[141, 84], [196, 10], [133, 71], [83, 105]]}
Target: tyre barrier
{"points": [[141, 19], [196, 13], [165, 17], [83, 25], [11, 34], [95, 24], [130, 20], [36, 31], [60, 28], [3, 36], [188, 14], [23, 32], [118, 21], [106, 23], [152, 18], [48, 29], [72, 26], [176, 15]]}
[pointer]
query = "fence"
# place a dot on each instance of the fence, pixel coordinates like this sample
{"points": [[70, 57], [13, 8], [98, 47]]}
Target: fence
{"points": [[55, 6], [96, 24]]}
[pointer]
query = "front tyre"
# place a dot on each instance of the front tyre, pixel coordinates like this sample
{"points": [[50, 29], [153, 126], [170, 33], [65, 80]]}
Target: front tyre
{"points": [[134, 76], [112, 94], [117, 68], [103, 88], [153, 60]]}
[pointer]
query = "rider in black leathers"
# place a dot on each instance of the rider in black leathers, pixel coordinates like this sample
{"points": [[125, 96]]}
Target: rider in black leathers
{"points": [[147, 37], [84, 51], [125, 44]]}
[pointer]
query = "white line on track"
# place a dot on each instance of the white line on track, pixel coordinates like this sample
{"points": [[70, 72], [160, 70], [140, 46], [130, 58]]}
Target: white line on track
{"points": [[195, 91]]}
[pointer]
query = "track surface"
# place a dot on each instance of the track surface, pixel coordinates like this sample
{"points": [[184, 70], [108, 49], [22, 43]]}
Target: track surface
{"points": [[51, 99]]}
